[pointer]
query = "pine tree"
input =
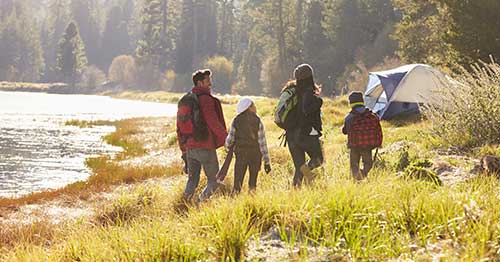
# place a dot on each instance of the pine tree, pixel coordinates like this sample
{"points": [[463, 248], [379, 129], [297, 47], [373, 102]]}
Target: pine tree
{"points": [[86, 15], [21, 56], [116, 39], [71, 59], [52, 30], [155, 46], [186, 44]]}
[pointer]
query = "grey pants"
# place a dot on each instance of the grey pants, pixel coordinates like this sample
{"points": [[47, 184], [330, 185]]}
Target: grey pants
{"points": [[356, 155], [197, 158]]}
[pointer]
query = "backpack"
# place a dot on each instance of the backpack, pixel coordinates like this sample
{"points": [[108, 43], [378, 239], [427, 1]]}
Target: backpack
{"points": [[365, 130], [190, 122], [285, 115]]}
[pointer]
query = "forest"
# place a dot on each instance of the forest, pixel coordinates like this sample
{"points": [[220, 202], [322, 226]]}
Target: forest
{"points": [[251, 45]]}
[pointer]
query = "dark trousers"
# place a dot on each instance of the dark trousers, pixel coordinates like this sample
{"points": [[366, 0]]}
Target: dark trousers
{"points": [[299, 145], [245, 161], [366, 155]]}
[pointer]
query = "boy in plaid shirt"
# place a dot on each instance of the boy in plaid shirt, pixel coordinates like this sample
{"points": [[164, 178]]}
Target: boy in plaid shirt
{"points": [[248, 137], [364, 133]]}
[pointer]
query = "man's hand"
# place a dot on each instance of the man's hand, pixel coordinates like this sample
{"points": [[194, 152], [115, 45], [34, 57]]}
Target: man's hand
{"points": [[267, 168], [184, 159]]}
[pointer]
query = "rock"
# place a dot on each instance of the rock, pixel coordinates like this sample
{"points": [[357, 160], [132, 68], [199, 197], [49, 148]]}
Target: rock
{"points": [[491, 165], [440, 167]]}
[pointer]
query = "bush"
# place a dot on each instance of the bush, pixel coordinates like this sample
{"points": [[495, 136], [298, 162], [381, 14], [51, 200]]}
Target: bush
{"points": [[467, 113], [222, 70], [123, 70], [168, 80], [418, 170], [92, 77]]}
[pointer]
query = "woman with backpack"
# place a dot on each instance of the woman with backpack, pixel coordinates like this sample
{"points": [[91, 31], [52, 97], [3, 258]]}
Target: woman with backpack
{"points": [[303, 124]]}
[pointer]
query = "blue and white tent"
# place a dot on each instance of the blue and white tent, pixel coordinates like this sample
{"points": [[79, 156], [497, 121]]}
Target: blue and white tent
{"points": [[401, 90]]}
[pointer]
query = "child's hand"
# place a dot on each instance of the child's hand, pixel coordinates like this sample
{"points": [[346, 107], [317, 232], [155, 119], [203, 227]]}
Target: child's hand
{"points": [[267, 168]]}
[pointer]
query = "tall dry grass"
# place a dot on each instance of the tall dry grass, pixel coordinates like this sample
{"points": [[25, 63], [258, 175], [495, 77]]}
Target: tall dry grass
{"points": [[466, 113]]}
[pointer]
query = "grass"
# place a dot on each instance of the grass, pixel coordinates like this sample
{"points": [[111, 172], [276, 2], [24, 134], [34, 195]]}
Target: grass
{"points": [[23, 86], [106, 172], [385, 217]]}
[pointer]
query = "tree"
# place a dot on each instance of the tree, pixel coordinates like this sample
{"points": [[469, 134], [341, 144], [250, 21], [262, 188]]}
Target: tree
{"points": [[21, 56], [85, 13], [92, 77], [475, 28], [155, 45], [53, 28], [222, 70], [421, 33], [115, 40], [123, 71], [71, 59]]}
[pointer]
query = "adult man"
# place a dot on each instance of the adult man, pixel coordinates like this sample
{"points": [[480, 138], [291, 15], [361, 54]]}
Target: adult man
{"points": [[201, 152]]}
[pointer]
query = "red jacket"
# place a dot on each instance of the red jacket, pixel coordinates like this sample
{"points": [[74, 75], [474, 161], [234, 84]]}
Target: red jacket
{"points": [[211, 111]]}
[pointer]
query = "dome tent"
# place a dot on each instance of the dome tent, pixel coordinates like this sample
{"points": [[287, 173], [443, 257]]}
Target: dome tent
{"points": [[401, 90]]}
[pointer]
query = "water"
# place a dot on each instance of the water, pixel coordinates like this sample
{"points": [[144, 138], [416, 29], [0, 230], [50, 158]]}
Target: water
{"points": [[39, 152]]}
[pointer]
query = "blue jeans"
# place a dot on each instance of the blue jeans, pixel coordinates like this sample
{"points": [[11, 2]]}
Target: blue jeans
{"points": [[197, 158]]}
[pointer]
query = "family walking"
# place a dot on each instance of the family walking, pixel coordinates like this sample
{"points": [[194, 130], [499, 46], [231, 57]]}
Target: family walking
{"points": [[201, 130]]}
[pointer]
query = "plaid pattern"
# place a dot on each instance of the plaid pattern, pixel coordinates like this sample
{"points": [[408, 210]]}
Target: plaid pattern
{"points": [[261, 139], [364, 130]]}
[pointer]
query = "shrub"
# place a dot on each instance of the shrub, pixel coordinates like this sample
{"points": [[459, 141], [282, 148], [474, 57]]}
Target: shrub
{"points": [[466, 113], [418, 170], [222, 70], [168, 80], [123, 70], [92, 77]]}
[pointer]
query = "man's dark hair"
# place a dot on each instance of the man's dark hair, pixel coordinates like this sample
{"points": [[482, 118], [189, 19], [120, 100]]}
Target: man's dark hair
{"points": [[200, 75]]}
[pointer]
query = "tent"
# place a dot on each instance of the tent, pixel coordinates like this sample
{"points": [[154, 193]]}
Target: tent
{"points": [[401, 90]]}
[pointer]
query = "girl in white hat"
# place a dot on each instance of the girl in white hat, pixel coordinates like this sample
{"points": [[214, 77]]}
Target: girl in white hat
{"points": [[248, 138]]}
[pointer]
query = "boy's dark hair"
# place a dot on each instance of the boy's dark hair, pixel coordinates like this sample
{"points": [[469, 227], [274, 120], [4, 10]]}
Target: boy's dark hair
{"points": [[200, 75]]}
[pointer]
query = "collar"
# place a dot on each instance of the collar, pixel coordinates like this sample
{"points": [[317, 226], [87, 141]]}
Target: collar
{"points": [[201, 90], [353, 105]]}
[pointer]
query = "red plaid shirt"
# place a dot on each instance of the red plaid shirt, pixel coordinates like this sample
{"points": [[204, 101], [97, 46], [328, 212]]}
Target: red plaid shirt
{"points": [[364, 130]]}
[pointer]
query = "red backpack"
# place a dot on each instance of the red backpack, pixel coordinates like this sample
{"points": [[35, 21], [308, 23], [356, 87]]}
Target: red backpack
{"points": [[364, 130], [190, 122]]}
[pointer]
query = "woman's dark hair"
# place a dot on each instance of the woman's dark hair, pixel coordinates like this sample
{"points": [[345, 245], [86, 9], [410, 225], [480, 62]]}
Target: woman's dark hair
{"points": [[200, 75], [303, 84]]}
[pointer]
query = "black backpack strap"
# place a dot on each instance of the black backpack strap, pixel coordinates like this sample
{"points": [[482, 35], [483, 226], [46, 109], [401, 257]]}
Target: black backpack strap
{"points": [[283, 139]]}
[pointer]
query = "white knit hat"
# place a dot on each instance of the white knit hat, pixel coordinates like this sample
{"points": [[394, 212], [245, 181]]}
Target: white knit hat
{"points": [[243, 105]]}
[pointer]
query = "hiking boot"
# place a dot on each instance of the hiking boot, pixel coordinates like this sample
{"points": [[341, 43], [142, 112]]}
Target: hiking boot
{"points": [[306, 171]]}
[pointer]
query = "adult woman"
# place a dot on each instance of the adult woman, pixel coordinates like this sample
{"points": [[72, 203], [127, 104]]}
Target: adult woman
{"points": [[303, 136]]}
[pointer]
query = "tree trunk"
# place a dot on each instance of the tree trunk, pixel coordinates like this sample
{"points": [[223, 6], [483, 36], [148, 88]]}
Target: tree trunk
{"points": [[282, 59]]}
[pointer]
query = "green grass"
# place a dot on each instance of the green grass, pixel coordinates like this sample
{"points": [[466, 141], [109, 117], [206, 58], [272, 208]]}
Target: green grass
{"points": [[385, 217]]}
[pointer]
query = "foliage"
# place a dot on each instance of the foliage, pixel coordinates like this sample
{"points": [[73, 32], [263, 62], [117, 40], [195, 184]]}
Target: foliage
{"points": [[466, 113], [71, 59], [222, 73], [123, 70], [92, 77], [419, 170], [169, 80], [21, 55], [115, 38], [422, 31]]}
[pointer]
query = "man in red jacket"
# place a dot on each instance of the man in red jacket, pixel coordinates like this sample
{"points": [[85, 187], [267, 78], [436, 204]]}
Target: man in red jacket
{"points": [[202, 153]]}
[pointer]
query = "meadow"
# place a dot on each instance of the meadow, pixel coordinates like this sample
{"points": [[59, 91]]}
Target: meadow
{"points": [[394, 215]]}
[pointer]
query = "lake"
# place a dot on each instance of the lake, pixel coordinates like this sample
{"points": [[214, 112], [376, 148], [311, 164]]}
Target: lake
{"points": [[39, 152]]}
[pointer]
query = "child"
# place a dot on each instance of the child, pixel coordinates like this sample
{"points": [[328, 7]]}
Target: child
{"points": [[364, 133], [250, 147]]}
